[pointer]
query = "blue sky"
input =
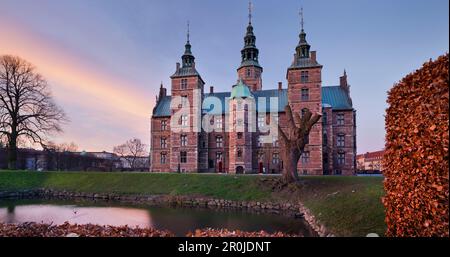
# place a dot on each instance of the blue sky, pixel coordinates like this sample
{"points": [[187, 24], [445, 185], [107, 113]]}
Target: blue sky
{"points": [[113, 54]]}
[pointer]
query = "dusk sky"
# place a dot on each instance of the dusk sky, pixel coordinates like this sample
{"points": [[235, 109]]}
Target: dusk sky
{"points": [[105, 59]]}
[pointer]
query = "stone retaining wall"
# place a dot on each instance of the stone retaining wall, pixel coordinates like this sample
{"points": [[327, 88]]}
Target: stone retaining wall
{"points": [[289, 209]]}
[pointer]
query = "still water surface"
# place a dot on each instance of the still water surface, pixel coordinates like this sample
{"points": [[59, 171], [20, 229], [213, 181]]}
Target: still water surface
{"points": [[177, 220]]}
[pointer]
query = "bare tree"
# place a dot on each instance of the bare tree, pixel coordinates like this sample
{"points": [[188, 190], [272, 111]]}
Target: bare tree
{"points": [[62, 147], [27, 109], [134, 152], [293, 141]]}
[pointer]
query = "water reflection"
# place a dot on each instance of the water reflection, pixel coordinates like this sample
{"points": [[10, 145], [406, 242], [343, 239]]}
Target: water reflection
{"points": [[178, 220], [58, 214]]}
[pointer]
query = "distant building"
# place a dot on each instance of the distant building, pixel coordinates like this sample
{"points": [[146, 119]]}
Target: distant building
{"points": [[370, 161]]}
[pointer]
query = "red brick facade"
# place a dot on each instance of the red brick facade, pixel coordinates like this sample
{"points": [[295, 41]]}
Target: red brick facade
{"points": [[332, 142]]}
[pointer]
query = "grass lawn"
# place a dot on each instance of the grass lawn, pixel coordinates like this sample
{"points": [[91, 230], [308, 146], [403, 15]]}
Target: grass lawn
{"points": [[348, 206]]}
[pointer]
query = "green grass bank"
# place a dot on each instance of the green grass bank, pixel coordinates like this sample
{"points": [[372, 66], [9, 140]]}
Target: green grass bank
{"points": [[347, 206]]}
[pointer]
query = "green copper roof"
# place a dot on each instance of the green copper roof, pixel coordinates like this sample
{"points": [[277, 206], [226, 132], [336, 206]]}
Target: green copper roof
{"points": [[332, 96], [240, 91]]}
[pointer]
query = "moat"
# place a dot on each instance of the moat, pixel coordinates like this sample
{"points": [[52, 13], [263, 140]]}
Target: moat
{"points": [[177, 220]]}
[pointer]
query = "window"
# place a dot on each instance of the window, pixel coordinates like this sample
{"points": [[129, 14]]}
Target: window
{"points": [[183, 83], [260, 141], [324, 118], [184, 120], [239, 122], [239, 135], [340, 140], [305, 172], [275, 158], [305, 94], [163, 158], [304, 111], [261, 156], [183, 140], [219, 122], [341, 158], [183, 157], [163, 143], [219, 141], [275, 118], [239, 153], [325, 139], [275, 141], [261, 121], [211, 163], [304, 76], [249, 73], [184, 101], [218, 156], [163, 125], [340, 119], [305, 157]]}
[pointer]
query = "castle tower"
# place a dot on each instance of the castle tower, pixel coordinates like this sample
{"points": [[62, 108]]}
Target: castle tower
{"points": [[242, 107], [304, 92], [187, 90], [250, 71]]}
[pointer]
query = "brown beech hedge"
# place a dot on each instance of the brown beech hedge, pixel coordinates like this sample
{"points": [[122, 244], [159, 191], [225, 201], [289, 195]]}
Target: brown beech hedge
{"points": [[416, 156]]}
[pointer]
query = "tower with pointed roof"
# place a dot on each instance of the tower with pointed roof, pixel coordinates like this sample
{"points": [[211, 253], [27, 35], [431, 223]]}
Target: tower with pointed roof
{"points": [[250, 71], [304, 78], [187, 90]]}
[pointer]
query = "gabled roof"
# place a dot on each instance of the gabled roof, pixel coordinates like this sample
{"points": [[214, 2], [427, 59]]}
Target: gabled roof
{"points": [[333, 96]]}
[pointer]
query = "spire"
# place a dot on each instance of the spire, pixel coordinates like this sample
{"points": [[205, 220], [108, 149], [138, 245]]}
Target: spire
{"points": [[301, 17], [188, 58], [188, 32], [303, 58], [250, 52], [250, 11], [303, 47]]}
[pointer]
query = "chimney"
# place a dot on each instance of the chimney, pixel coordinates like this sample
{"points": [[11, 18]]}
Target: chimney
{"points": [[162, 92], [314, 55], [178, 66], [211, 89], [280, 85]]}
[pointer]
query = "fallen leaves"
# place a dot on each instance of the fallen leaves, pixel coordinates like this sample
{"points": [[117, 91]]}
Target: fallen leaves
{"points": [[31, 229], [416, 156], [209, 232]]}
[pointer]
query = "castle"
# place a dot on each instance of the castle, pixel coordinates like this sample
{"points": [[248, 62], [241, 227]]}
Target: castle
{"points": [[229, 132]]}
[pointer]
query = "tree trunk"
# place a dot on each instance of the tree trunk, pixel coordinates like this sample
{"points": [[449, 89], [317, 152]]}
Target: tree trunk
{"points": [[290, 173], [12, 153]]}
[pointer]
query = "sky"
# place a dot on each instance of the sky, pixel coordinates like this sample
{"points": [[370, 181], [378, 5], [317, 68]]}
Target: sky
{"points": [[105, 59]]}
